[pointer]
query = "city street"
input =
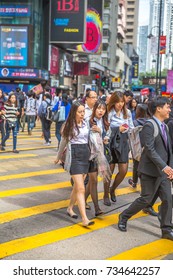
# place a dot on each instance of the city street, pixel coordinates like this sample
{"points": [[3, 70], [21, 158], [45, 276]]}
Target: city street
{"points": [[34, 225]]}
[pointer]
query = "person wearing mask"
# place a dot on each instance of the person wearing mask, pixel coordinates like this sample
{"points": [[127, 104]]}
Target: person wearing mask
{"points": [[11, 113], [75, 135], [155, 169]]}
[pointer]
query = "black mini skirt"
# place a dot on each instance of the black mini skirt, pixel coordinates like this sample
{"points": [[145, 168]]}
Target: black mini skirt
{"points": [[80, 154]]}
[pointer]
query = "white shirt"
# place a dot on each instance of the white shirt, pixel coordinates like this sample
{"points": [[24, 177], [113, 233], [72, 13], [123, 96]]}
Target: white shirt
{"points": [[82, 137], [116, 121]]}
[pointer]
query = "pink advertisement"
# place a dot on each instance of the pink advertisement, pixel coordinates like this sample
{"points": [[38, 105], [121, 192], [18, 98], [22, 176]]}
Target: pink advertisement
{"points": [[54, 63], [170, 81]]}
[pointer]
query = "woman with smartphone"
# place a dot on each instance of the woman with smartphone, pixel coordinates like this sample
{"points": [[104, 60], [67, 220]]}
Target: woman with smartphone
{"points": [[120, 120]]}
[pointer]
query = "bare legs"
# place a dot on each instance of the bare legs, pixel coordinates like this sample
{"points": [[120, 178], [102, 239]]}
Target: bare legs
{"points": [[78, 194]]}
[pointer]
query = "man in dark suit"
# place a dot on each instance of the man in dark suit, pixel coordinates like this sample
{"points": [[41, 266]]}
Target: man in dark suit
{"points": [[155, 169]]}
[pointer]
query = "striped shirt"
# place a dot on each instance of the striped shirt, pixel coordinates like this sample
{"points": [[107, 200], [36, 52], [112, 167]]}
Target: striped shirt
{"points": [[10, 112]]}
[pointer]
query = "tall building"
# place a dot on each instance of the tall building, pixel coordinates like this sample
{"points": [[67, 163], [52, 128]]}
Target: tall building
{"points": [[142, 48], [132, 11]]}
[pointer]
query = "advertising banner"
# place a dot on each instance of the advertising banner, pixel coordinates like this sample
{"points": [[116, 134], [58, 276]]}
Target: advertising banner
{"points": [[93, 42], [14, 45], [54, 63], [15, 10], [154, 44], [162, 44], [67, 21], [170, 81], [37, 89], [135, 66], [23, 73], [68, 65]]}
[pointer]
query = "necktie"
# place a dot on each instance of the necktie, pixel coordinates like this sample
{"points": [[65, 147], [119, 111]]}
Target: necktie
{"points": [[164, 133]]}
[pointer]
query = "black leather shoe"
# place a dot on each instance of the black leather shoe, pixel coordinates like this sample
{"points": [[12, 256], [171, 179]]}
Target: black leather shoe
{"points": [[112, 195], [168, 235], [150, 211], [122, 224]]}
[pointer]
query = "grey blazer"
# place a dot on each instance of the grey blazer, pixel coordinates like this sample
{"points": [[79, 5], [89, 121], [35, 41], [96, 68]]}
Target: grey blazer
{"points": [[155, 155]]}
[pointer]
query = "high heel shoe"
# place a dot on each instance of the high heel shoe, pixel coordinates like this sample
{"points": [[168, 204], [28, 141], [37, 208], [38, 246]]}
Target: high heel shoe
{"points": [[112, 195], [89, 223], [73, 216]]}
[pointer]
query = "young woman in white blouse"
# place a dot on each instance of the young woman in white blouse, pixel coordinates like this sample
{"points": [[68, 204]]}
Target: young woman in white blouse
{"points": [[120, 120], [75, 137]]}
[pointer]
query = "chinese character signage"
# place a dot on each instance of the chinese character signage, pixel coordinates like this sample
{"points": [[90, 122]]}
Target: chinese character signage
{"points": [[54, 63], [162, 44], [67, 21], [135, 66], [14, 45], [23, 73], [15, 11], [93, 42]]}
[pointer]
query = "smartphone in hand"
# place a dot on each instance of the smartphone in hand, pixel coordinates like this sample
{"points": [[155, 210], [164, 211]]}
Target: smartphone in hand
{"points": [[125, 125]]}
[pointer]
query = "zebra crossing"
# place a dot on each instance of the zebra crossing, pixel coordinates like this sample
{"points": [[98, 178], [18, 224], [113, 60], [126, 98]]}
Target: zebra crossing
{"points": [[33, 221]]}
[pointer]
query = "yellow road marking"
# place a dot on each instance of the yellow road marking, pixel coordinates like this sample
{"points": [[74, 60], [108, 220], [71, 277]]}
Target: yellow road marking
{"points": [[43, 208], [32, 148], [31, 174], [18, 156], [27, 243], [151, 251], [48, 186]]}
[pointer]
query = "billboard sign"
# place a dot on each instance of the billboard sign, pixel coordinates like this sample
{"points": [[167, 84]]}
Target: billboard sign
{"points": [[54, 63], [15, 10], [23, 73], [67, 21], [14, 45], [93, 42], [170, 81], [135, 66]]}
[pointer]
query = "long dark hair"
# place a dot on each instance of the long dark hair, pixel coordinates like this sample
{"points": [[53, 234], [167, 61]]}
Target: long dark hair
{"points": [[116, 97], [71, 124], [9, 100], [98, 104]]}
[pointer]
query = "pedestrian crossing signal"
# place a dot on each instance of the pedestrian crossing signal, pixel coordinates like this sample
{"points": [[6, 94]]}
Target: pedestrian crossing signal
{"points": [[103, 82]]}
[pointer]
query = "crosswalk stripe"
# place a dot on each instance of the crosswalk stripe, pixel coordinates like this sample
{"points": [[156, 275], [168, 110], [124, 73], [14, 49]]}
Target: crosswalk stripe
{"points": [[18, 156], [43, 208], [31, 174], [31, 242], [38, 188], [30, 148], [147, 251]]}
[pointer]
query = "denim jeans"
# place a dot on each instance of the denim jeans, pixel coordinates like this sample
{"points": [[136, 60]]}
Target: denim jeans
{"points": [[7, 135], [2, 129], [30, 121], [57, 131]]}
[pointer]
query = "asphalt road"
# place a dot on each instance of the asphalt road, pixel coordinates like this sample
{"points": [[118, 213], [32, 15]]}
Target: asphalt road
{"points": [[34, 224]]}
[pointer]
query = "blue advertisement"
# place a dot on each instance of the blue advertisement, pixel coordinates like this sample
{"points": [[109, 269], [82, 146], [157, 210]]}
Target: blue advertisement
{"points": [[14, 46], [23, 73], [15, 11]]}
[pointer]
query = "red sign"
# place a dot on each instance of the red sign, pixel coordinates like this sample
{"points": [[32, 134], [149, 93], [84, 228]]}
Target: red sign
{"points": [[162, 44], [54, 64], [144, 91]]}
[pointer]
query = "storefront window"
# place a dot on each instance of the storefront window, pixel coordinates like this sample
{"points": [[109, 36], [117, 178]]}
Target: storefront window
{"points": [[28, 14]]}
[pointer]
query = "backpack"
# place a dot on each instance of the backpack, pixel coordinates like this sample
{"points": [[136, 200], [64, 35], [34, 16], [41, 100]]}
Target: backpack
{"points": [[135, 142], [49, 114]]}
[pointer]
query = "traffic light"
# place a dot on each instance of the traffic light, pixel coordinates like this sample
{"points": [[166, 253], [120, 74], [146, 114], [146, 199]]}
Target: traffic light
{"points": [[103, 82]]}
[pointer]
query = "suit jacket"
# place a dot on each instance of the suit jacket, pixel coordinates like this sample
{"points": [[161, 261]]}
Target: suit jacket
{"points": [[155, 155]]}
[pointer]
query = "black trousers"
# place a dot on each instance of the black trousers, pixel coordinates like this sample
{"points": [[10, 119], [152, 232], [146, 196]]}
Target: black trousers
{"points": [[46, 125], [151, 187], [2, 129]]}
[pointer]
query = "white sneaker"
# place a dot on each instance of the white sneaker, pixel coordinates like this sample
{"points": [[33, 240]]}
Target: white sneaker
{"points": [[47, 144]]}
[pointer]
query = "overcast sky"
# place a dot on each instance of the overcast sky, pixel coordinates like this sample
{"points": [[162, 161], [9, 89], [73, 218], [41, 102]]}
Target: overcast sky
{"points": [[143, 12]]}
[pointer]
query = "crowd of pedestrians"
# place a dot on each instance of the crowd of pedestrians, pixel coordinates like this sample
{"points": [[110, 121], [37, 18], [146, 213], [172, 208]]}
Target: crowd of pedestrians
{"points": [[92, 134]]}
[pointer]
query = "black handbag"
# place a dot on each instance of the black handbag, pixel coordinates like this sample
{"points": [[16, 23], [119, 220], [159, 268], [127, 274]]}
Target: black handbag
{"points": [[11, 124], [107, 153]]}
